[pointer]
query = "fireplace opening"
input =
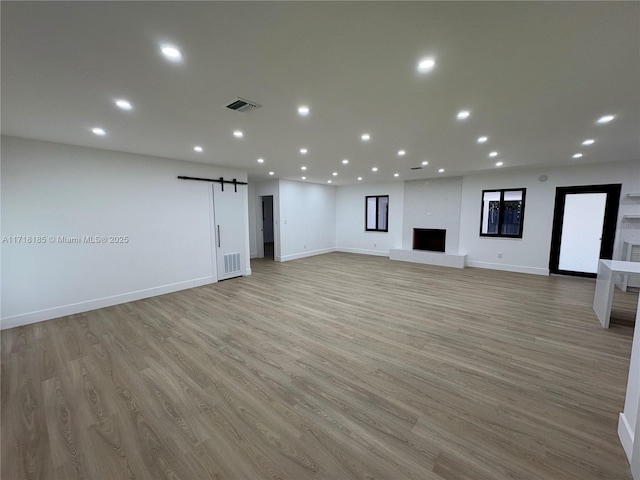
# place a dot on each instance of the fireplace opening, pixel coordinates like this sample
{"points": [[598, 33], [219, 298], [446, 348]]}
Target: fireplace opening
{"points": [[432, 239]]}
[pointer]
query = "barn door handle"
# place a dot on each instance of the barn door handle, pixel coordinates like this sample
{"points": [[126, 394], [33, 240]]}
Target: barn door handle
{"points": [[218, 236]]}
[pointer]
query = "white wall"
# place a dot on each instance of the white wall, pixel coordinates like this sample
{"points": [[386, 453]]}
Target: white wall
{"points": [[629, 423], [350, 229], [531, 253], [433, 203], [52, 189], [307, 219]]}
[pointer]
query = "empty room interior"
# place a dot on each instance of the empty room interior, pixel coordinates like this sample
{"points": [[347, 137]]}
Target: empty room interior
{"points": [[320, 240]]}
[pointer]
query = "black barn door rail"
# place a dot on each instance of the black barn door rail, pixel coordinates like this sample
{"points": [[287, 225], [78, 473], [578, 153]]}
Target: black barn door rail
{"points": [[220, 180]]}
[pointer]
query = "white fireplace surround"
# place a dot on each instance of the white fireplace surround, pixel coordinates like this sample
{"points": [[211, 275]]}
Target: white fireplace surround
{"points": [[454, 260]]}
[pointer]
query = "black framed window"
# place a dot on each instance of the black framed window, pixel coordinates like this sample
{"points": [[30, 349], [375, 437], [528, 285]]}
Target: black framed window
{"points": [[376, 218], [502, 213]]}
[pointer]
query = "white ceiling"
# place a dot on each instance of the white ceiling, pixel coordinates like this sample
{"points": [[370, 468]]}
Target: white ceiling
{"points": [[535, 75]]}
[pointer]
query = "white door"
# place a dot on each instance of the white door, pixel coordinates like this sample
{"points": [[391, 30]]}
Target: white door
{"points": [[582, 226], [228, 214]]}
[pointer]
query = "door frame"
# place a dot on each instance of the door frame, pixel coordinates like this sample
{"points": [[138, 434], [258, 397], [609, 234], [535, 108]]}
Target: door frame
{"points": [[259, 225], [608, 229]]}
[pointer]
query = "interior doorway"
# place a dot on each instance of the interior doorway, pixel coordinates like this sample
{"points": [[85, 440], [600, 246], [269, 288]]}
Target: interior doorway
{"points": [[584, 228], [267, 227]]}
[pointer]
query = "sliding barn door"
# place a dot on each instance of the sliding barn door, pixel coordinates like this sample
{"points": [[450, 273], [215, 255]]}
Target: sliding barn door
{"points": [[228, 213]]}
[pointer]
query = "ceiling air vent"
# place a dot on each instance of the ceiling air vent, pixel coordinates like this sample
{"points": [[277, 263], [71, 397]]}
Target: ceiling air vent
{"points": [[242, 105], [416, 168]]}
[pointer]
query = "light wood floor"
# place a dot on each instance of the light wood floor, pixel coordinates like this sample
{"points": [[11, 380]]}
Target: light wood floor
{"points": [[335, 367]]}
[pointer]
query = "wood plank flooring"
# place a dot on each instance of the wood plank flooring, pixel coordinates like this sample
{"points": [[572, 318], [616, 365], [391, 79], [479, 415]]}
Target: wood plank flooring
{"points": [[338, 366]]}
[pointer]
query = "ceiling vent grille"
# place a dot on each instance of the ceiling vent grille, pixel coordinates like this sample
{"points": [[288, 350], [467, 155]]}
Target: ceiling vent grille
{"points": [[242, 105], [416, 168]]}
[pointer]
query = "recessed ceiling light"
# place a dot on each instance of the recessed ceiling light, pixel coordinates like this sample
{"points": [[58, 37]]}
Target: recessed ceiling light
{"points": [[577, 155], [172, 53], [374, 169], [304, 178], [303, 151], [589, 141], [270, 173], [345, 161], [396, 174], [335, 174], [238, 134], [606, 119], [493, 154], [365, 137], [463, 114], [425, 163], [482, 139], [328, 181], [198, 149], [98, 131], [499, 164], [261, 160], [440, 170], [359, 178], [303, 110], [426, 64], [401, 153], [123, 104], [303, 167]]}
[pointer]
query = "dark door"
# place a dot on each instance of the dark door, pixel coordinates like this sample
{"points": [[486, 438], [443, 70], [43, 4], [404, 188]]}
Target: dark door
{"points": [[584, 228]]}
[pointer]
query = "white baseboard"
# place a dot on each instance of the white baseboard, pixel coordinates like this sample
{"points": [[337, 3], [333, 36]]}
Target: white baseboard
{"points": [[295, 256], [247, 271], [625, 433], [253, 255], [508, 268], [361, 251], [48, 314]]}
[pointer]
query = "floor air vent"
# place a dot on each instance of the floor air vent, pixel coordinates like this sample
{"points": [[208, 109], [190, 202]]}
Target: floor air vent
{"points": [[232, 263], [242, 105]]}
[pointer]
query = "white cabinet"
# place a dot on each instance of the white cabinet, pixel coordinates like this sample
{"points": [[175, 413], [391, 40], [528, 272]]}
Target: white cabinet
{"points": [[229, 229], [630, 253]]}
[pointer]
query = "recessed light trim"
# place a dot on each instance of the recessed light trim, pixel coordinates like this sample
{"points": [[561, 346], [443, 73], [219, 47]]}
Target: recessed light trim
{"points": [[261, 160], [374, 169], [303, 167], [463, 114], [359, 178], [577, 155], [304, 151], [499, 164], [426, 64], [441, 170], [365, 137], [345, 161], [271, 173], [198, 149], [303, 178], [493, 154], [238, 134], [171, 52], [328, 181], [606, 118], [335, 174], [303, 110], [98, 131], [589, 141], [401, 153], [396, 174], [424, 163], [482, 139], [123, 104]]}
